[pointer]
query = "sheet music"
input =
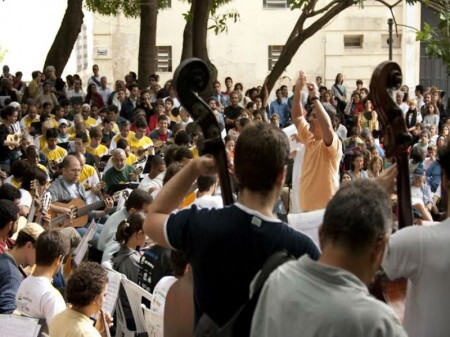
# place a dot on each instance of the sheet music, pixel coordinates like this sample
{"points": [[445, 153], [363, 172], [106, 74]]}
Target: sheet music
{"points": [[18, 326], [289, 131], [308, 223], [82, 248], [114, 280]]}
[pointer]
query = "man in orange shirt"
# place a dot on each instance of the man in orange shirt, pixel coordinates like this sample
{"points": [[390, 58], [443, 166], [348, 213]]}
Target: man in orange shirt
{"points": [[323, 149]]}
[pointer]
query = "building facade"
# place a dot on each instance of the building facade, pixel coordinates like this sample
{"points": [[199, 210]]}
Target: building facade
{"points": [[353, 43]]}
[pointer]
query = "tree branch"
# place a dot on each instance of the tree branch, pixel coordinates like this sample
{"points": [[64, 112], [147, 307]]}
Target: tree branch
{"points": [[324, 9]]}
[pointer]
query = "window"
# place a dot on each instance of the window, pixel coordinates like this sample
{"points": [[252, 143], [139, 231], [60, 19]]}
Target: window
{"points": [[81, 49], [353, 41], [164, 59], [396, 41], [274, 4], [274, 54]]}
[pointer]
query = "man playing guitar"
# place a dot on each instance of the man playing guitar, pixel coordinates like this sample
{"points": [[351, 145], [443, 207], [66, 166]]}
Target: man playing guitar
{"points": [[67, 188]]}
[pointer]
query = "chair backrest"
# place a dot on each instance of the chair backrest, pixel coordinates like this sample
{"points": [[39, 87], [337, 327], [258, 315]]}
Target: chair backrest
{"points": [[154, 323], [135, 295], [114, 281]]}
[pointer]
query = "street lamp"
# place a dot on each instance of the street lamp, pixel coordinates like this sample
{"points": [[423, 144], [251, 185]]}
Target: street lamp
{"points": [[390, 23]]}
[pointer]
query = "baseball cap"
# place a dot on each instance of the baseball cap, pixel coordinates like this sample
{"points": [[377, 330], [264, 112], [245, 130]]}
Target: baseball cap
{"points": [[33, 230], [15, 105], [63, 121], [418, 172]]}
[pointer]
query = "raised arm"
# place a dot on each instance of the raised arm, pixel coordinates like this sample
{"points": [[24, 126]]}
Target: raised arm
{"points": [[322, 116], [297, 107]]}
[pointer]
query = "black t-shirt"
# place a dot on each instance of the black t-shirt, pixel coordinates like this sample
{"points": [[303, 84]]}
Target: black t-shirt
{"points": [[231, 112], [226, 248], [155, 264]]}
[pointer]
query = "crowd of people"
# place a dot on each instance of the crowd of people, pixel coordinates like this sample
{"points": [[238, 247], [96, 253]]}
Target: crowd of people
{"points": [[67, 154]]}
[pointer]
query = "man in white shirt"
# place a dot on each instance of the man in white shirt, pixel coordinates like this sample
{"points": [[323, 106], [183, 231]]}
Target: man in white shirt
{"points": [[419, 253], [36, 296], [154, 180], [330, 297], [95, 78], [205, 197], [104, 90], [138, 201]]}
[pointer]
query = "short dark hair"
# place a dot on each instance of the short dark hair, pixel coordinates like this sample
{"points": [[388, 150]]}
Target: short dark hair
{"points": [[8, 211], [49, 246], [51, 133], [87, 282], [444, 160], [369, 219], [95, 133], [19, 168], [122, 144], [141, 123], [359, 82], [10, 192], [257, 163], [163, 118], [183, 152], [83, 136], [204, 183], [182, 138], [171, 171], [7, 111], [137, 199], [23, 238], [420, 88]]}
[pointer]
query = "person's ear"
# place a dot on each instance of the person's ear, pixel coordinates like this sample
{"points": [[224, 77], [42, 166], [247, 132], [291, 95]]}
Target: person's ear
{"points": [[281, 177]]}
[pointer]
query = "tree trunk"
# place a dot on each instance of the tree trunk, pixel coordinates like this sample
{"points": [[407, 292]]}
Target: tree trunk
{"points": [[200, 28], [200, 10], [147, 42], [296, 39], [187, 41], [65, 39]]}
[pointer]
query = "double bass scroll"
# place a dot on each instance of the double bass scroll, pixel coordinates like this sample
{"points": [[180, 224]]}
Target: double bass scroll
{"points": [[192, 77], [386, 79]]}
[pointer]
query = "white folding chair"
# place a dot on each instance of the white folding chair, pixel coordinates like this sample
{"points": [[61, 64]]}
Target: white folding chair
{"points": [[154, 323], [135, 295]]}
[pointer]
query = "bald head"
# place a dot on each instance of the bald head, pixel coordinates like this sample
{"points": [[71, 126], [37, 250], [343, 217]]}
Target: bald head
{"points": [[118, 158]]}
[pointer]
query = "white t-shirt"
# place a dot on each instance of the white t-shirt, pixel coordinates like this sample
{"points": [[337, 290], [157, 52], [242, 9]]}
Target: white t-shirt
{"points": [[38, 298], [160, 294], [209, 201], [147, 182], [420, 253]]}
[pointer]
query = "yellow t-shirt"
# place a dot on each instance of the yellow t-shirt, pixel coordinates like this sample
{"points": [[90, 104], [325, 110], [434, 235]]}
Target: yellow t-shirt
{"points": [[131, 159], [40, 142], [115, 128], [145, 142], [87, 176], [319, 177], [72, 136], [27, 121], [99, 151], [90, 122], [57, 154]]}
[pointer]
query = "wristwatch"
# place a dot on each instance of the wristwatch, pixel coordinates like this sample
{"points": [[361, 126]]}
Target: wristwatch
{"points": [[312, 99]]}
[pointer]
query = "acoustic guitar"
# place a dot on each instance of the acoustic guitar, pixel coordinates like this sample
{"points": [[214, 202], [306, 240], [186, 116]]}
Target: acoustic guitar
{"points": [[80, 211], [13, 137]]}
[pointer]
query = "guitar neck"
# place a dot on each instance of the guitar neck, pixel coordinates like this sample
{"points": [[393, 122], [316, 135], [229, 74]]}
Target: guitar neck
{"points": [[79, 212]]}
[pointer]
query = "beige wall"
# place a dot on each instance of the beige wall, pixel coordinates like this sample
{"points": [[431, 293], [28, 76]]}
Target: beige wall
{"points": [[242, 53]]}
